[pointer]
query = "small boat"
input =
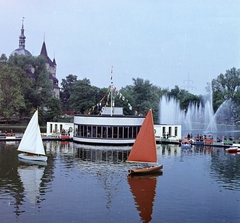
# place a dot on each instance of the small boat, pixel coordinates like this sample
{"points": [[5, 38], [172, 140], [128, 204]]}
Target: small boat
{"points": [[31, 143], [186, 143], [65, 136], [144, 149], [233, 150], [186, 146]]}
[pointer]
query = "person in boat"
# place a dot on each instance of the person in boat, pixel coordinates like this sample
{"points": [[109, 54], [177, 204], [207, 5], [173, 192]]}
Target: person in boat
{"points": [[32, 154]]}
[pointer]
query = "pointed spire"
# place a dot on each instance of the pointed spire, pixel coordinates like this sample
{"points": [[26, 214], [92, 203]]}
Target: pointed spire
{"points": [[44, 50], [22, 37], [54, 62]]}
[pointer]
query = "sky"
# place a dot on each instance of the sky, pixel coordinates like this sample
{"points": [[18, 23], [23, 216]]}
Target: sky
{"points": [[185, 43]]}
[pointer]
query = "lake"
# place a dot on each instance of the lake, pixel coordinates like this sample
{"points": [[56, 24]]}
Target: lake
{"points": [[81, 183]]}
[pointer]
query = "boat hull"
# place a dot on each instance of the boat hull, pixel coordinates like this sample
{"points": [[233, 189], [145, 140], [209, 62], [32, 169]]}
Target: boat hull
{"points": [[146, 170], [24, 156], [186, 146], [233, 150]]}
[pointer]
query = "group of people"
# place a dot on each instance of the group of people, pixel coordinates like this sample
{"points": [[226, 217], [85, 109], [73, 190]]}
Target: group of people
{"points": [[223, 138], [198, 137], [201, 137]]}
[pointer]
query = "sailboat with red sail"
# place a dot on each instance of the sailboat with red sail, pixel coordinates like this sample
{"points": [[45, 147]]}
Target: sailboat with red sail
{"points": [[144, 149]]}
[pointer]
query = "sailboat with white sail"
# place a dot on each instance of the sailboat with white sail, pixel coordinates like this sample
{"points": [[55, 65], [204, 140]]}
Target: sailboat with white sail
{"points": [[144, 149], [31, 143]]}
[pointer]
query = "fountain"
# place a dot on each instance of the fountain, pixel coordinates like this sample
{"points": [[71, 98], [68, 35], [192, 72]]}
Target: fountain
{"points": [[198, 119]]}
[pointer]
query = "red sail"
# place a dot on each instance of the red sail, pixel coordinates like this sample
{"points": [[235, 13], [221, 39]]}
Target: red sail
{"points": [[144, 149]]}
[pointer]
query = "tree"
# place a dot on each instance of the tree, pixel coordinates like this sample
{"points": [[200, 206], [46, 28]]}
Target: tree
{"points": [[227, 87], [11, 94], [83, 96], [67, 90], [3, 59], [35, 80], [146, 97], [126, 100], [51, 110]]}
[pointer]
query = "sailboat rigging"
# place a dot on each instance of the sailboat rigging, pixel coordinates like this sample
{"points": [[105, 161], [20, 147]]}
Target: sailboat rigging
{"points": [[144, 149], [31, 143]]}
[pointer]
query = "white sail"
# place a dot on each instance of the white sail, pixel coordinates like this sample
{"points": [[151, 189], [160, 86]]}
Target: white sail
{"points": [[32, 141]]}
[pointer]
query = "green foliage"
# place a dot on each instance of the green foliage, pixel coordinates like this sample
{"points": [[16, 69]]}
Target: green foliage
{"points": [[11, 94], [36, 86], [25, 86], [83, 96], [127, 102], [142, 97], [227, 87], [184, 97], [3, 59], [67, 90], [51, 110]]}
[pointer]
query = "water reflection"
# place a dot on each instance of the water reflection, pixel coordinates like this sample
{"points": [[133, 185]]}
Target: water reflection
{"points": [[31, 178], [143, 189], [225, 169], [112, 154], [169, 149], [92, 180], [54, 148]]}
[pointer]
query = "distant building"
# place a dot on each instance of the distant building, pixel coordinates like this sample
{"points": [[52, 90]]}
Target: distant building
{"points": [[21, 49], [51, 68], [50, 65]]}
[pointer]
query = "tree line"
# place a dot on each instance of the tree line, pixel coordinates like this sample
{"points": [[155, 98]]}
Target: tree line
{"points": [[21, 93]]}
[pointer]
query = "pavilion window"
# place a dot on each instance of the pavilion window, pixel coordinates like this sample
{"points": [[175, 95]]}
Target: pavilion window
{"points": [[126, 132], [99, 131], [176, 130], [121, 131], [104, 132], [163, 131], [115, 132], [81, 131]]}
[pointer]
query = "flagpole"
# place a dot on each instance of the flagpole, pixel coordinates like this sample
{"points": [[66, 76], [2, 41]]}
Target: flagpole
{"points": [[111, 91]]}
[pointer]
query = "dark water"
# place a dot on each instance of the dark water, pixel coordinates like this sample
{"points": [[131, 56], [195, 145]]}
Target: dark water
{"points": [[90, 184]]}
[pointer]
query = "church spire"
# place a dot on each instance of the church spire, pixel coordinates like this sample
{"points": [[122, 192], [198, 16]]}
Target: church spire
{"points": [[22, 37]]}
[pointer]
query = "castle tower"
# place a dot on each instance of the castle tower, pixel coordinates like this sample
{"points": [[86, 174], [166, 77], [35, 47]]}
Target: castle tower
{"points": [[51, 68], [21, 49]]}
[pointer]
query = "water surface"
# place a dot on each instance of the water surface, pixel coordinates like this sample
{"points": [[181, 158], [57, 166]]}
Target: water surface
{"points": [[90, 184]]}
